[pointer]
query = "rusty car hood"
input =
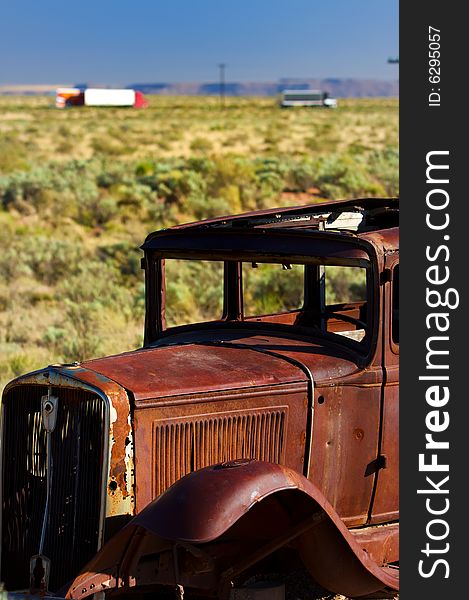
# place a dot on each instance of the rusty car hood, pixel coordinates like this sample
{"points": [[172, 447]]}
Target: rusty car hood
{"points": [[211, 363], [194, 368]]}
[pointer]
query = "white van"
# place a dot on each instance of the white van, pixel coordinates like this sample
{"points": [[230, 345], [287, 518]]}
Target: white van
{"points": [[307, 98]]}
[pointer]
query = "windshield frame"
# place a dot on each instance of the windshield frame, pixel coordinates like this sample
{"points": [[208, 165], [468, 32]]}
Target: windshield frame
{"points": [[355, 252]]}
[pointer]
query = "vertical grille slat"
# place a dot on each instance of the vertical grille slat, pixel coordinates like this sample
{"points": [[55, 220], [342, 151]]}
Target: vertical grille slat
{"points": [[77, 447], [182, 446]]}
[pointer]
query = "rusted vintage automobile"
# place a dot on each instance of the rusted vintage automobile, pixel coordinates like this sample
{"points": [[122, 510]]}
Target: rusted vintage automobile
{"points": [[223, 449]]}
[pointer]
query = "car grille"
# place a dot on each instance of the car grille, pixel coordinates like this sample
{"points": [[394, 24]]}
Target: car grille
{"points": [[183, 446], [77, 442]]}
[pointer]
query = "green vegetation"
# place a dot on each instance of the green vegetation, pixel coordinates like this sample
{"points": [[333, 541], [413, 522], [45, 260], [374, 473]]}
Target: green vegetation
{"points": [[269, 289], [81, 188]]}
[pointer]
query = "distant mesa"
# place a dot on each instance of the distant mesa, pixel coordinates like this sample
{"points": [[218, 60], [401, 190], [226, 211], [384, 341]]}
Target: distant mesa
{"points": [[336, 87], [33, 89], [213, 89], [339, 88]]}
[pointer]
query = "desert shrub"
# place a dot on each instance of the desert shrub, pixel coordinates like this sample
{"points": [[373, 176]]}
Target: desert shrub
{"points": [[204, 207], [110, 146], [16, 330], [138, 302], [301, 176], [124, 256], [174, 134], [218, 126], [384, 165], [179, 184], [162, 143], [43, 258], [52, 260], [339, 176], [226, 170], [65, 131], [11, 262], [112, 173], [200, 164], [172, 185], [345, 283], [201, 145], [270, 175], [67, 190], [53, 339], [228, 173], [89, 297], [95, 281], [52, 187], [133, 199], [269, 289], [194, 291], [358, 148], [145, 167], [314, 144], [13, 155], [96, 211], [167, 191], [65, 147], [20, 363], [81, 339], [234, 139]]}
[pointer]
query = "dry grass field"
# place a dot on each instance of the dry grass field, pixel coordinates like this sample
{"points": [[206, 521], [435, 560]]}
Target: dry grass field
{"points": [[80, 189], [184, 126]]}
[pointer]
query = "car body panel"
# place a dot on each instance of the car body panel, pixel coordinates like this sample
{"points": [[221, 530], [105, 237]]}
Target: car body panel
{"points": [[222, 502]]}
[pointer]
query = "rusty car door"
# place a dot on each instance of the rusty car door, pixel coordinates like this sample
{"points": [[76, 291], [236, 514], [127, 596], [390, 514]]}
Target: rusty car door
{"points": [[386, 500]]}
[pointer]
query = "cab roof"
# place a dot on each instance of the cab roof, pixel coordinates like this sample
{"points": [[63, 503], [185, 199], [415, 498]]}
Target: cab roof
{"points": [[373, 220]]}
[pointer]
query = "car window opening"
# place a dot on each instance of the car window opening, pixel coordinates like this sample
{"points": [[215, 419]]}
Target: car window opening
{"points": [[329, 299]]}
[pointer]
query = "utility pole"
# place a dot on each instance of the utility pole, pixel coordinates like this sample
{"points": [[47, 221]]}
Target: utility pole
{"points": [[222, 67]]}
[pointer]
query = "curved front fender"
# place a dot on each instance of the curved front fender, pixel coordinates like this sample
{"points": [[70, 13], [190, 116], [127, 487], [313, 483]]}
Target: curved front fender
{"points": [[254, 505]]}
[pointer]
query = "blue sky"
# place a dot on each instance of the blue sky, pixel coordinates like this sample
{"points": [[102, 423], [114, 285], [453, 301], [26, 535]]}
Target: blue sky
{"points": [[118, 42]]}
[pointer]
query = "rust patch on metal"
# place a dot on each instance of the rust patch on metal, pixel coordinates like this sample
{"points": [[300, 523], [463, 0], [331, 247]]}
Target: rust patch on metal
{"points": [[119, 489], [224, 520], [120, 498], [380, 542], [120, 483]]}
